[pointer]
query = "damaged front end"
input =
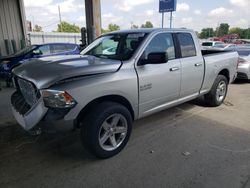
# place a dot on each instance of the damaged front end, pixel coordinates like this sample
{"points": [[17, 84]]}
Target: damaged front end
{"points": [[37, 110], [27, 104]]}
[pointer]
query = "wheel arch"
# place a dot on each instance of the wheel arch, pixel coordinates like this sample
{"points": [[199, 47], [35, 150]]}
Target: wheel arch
{"points": [[225, 72], [107, 98]]}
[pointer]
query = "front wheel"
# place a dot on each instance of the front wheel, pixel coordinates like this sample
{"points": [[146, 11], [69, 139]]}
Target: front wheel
{"points": [[218, 93], [106, 129]]}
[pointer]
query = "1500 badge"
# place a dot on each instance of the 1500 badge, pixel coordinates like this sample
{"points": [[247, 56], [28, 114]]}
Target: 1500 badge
{"points": [[145, 87]]}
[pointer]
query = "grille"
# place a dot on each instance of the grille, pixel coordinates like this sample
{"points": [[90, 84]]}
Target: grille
{"points": [[28, 91], [25, 96], [19, 103]]}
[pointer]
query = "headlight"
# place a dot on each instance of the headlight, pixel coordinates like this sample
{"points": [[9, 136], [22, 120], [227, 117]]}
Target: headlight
{"points": [[58, 99]]}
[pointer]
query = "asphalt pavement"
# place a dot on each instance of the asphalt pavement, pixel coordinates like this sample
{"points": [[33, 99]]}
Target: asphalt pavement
{"points": [[190, 145]]}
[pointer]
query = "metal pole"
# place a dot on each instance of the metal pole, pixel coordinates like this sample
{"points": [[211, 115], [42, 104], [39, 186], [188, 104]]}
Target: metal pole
{"points": [[162, 20], [93, 19], [60, 18], [171, 19]]}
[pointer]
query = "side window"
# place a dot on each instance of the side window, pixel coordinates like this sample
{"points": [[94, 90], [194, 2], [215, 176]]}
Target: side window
{"points": [[57, 48], [162, 43], [45, 50], [70, 47], [187, 45]]}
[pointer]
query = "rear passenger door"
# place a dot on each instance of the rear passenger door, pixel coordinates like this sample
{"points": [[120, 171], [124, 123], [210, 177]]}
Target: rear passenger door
{"points": [[192, 66]]}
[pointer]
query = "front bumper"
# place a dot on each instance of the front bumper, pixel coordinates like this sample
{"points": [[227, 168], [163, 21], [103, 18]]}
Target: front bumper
{"points": [[30, 119], [39, 117]]}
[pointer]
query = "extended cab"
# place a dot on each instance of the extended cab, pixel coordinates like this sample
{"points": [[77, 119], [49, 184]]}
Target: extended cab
{"points": [[120, 77]]}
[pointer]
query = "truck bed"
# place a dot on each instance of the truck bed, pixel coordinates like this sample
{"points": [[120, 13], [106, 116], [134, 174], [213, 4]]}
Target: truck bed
{"points": [[216, 61]]}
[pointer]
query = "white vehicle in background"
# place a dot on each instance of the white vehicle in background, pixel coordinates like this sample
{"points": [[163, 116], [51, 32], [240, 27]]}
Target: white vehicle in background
{"points": [[230, 47], [244, 63], [210, 44]]}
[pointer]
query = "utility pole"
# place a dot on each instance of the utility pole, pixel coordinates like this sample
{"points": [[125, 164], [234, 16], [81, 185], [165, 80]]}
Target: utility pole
{"points": [[162, 19], [93, 19], [60, 18], [171, 19]]}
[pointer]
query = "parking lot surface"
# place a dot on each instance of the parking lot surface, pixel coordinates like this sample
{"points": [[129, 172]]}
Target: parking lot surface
{"points": [[190, 145]]}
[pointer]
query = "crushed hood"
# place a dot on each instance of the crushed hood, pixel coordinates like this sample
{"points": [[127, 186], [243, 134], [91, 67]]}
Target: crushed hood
{"points": [[45, 72]]}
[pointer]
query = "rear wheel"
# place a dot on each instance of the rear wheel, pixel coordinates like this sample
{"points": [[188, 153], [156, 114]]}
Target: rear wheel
{"points": [[218, 93], [106, 129]]}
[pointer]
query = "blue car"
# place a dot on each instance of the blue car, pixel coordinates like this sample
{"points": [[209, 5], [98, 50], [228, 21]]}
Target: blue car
{"points": [[35, 51]]}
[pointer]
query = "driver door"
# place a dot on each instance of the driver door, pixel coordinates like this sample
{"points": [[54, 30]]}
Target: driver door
{"points": [[159, 84]]}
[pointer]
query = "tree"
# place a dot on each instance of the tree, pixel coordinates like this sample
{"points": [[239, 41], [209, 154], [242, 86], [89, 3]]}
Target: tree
{"points": [[237, 30], [243, 33], [104, 31], [148, 24], [134, 26], [222, 30], [68, 28], [113, 27], [206, 33], [247, 33], [37, 28]]}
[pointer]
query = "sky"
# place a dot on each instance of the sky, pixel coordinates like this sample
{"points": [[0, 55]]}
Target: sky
{"points": [[192, 14]]}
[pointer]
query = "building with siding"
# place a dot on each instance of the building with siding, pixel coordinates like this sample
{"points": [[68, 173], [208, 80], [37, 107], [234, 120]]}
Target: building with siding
{"points": [[12, 26]]}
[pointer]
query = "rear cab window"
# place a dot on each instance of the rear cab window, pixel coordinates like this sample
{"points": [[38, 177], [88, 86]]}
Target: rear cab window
{"points": [[187, 45]]}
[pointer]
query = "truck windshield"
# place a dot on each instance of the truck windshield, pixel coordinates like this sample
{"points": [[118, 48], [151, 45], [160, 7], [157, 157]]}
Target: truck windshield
{"points": [[115, 46]]}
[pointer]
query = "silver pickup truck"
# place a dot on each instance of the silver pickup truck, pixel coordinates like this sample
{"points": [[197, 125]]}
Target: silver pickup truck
{"points": [[121, 77]]}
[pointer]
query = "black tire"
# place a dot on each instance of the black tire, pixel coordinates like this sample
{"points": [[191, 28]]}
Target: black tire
{"points": [[92, 124], [211, 98]]}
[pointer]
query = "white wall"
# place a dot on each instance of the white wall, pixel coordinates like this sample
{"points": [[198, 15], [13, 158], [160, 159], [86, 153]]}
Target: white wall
{"points": [[49, 37]]}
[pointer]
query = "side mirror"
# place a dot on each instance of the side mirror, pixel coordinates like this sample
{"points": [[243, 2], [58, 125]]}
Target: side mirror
{"points": [[154, 58], [37, 52]]}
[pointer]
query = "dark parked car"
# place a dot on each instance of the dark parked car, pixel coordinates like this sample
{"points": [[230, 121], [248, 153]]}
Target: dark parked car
{"points": [[35, 51]]}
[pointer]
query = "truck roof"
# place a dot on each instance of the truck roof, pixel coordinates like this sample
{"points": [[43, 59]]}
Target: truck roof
{"points": [[149, 30]]}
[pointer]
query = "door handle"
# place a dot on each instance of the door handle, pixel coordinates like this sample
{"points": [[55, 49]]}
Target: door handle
{"points": [[197, 64], [174, 69]]}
